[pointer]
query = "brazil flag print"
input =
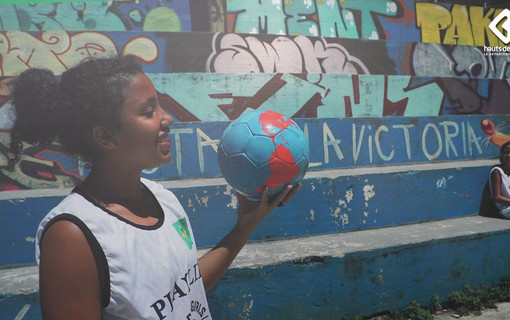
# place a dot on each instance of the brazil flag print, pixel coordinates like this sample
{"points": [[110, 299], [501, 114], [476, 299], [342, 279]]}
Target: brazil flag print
{"points": [[181, 226]]}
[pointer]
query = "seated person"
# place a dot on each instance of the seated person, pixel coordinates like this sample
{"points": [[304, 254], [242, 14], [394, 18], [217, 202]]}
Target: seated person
{"points": [[499, 182]]}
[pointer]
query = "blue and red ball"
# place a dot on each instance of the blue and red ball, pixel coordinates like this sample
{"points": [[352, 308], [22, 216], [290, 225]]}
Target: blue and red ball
{"points": [[263, 148]]}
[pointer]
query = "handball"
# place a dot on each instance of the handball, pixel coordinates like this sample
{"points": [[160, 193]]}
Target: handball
{"points": [[263, 149]]}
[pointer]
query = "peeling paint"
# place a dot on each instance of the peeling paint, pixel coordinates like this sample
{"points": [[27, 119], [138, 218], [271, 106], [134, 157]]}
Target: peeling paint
{"points": [[349, 195], [247, 307], [368, 192], [312, 214], [345, 219], [190, 205], [30, 239], [336, 213], [233, 197], [205, 201]]}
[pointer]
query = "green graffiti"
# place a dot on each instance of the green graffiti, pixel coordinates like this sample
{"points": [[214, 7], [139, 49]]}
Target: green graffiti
{"points": [[312, 17], [76, 16]]}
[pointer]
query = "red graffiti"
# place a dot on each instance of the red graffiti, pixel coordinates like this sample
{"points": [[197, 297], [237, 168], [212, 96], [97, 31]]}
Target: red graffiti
{"points": [[493, 132]]}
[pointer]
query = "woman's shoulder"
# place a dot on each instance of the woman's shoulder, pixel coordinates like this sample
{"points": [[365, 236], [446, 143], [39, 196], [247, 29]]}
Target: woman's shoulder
{"points": [[73, 202], [165, 197], [156, 187], [496, 168]]}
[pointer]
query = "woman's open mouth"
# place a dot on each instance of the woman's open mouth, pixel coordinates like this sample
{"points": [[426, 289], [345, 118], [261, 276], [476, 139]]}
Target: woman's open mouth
{"points": [[164, 141]]}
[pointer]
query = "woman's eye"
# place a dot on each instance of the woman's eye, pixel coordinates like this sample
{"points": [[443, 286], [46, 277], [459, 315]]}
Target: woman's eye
{"points": [[149, 113]]}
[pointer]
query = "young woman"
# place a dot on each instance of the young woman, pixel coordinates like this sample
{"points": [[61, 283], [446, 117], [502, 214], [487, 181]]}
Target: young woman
{"points": [[499, 181], [119, 246]]}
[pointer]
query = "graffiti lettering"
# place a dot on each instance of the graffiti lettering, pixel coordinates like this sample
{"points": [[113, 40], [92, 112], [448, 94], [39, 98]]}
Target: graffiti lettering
{"points": [[59, 50], [434, 141], [333, 143], [329, 140], [204, 140], [459, 25], [234, 53], [178, 146], [346, 19], [459, 61], [152, 15]]}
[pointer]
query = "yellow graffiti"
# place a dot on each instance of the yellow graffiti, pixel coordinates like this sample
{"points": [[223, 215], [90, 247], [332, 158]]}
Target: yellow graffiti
{"points": [[59, 50], [460, 25], [162, 19]]}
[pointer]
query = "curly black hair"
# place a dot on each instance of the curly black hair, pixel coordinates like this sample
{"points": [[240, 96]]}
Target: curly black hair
{"points": [[66, 111]]}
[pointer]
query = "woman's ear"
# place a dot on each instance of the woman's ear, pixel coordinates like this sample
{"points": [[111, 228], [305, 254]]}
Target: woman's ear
{"points": [[104, 137]]}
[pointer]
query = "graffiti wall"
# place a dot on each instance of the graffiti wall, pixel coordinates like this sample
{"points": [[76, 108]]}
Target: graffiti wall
{"points": [[337, 143], [409, 94], [212, 61], [396, 20], [184, 52], [401, 20]]}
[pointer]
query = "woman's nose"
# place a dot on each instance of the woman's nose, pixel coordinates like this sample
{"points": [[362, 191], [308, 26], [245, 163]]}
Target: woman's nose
{"points": [[166, 118]]}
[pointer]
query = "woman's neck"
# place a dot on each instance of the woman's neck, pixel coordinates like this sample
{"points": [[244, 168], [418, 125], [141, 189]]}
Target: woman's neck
{"points": [[113, 186], [122, 193], [506, 167]]}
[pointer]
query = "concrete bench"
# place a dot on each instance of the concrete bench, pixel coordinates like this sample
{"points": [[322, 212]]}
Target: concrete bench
{"points": [[303, 265]]}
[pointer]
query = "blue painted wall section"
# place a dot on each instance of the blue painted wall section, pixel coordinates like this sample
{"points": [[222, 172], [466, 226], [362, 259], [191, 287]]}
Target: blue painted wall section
{"points": [[334, 204], [335, 143]]}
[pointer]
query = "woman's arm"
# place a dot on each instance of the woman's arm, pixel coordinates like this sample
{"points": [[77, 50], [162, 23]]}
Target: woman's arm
{"points": [[68, 277], [249, 215], [496, 189]]}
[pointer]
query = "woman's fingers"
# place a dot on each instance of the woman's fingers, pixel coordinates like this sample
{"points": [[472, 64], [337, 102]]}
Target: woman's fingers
{"points": [[285, 195], [289, 195]]}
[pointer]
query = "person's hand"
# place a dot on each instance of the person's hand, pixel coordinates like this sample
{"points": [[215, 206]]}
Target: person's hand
{"points": [[252, 213]]}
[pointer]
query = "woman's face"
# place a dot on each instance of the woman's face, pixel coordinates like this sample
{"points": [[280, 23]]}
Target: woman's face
{"points": [[142, 139], [505, 154]]}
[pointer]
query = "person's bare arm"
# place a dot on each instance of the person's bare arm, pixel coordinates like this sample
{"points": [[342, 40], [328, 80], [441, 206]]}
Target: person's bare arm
{"points": [[250, 214], [68, 276]]}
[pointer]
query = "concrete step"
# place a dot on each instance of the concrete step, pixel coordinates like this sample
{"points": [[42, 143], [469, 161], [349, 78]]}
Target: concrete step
{"points": [[332, 275], [362, 272]]}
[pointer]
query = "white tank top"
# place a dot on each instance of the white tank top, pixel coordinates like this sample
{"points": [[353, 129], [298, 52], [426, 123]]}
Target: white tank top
{"points": [[505, 186], [146, 272]]}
